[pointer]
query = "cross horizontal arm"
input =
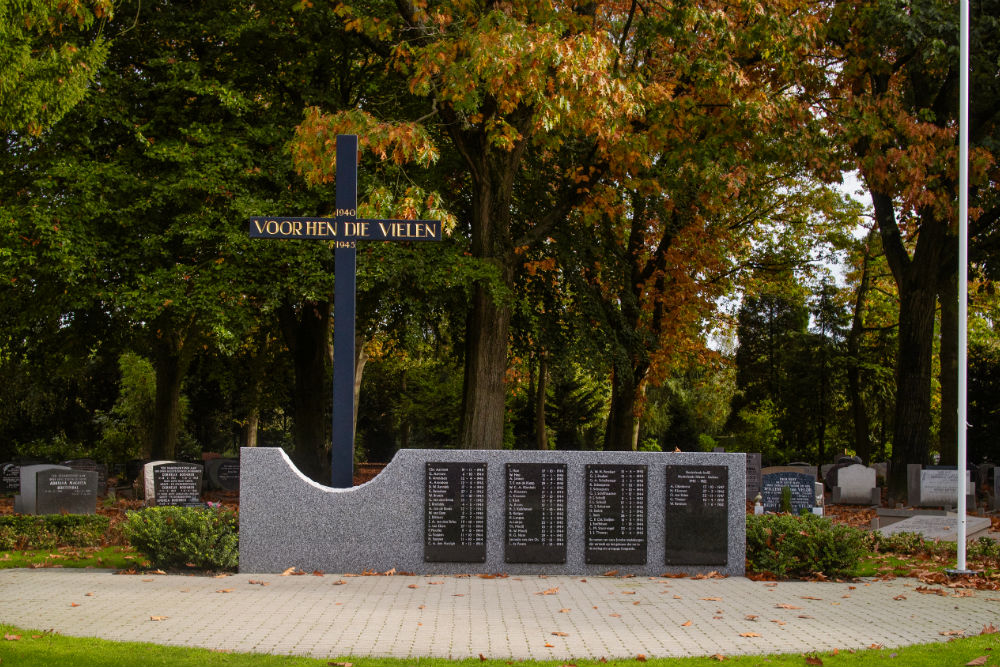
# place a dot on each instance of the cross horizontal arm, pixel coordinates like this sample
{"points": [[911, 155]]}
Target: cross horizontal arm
{"points": [[344, 228]]}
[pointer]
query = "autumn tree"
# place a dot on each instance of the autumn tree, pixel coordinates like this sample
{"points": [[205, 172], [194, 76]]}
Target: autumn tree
{"points": [[894, 103]]}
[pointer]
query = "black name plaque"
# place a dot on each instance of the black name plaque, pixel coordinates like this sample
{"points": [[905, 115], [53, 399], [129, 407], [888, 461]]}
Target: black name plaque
{"points": [[455, 512], [616, 514], [536, 513], [697, 515]]}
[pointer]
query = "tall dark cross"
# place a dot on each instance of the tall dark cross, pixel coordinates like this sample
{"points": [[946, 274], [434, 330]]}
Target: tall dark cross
{"points": [[345, 229]]}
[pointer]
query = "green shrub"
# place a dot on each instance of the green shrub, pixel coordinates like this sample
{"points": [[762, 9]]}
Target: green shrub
{"points": [[790, 546], [47, 531], [184, 537]]}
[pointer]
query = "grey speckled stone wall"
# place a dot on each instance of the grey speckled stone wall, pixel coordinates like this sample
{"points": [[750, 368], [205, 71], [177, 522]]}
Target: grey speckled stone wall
{"points": [[288, 520]]}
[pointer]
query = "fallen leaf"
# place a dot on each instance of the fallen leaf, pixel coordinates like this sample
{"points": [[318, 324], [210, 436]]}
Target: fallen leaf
{"points": [[804, 616], [317, 573], [564, 611], [223, 575], [976, 662], [157, 618], [548, 645], [73, 604], [628, 592], [610, 573], [719, 657], [482, 658], [774, 620], [808, 597], [224, 590], [89, 595], [749, 634], [952, 633], [900, 597], [11, 638], [615, 615], [712, 599], [338, 582], [685, 624], [988, 629], [787, 606], [641, 657], [813, 660], [548, 591], [341, 664], [750, 617], [561, 634], [413, 586]]}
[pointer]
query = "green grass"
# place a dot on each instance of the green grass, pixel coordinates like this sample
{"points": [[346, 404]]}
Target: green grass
{"points": [[117, 558], [31, 648]]}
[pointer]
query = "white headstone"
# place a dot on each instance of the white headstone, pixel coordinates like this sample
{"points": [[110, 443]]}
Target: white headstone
{"points": [[854, 485]]}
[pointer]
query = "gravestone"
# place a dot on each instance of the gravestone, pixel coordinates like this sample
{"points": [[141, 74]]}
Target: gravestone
{"points": [[93, 466], [173, 483], [944, 528], [52, 489], [753, 475], [799, 479], [855, 485], [10, 477], [996, 489], [935, 486], [520, 512], [223, 474]]}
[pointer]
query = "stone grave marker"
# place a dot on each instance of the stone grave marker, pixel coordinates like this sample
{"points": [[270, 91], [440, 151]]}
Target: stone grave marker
{"points": [[223, 474], [855, 485], [943, 528], [173, 483], [753, 475], [936, 486], [10, 477], [90, 465], [520, 512], [800, 480], [52, 489]]}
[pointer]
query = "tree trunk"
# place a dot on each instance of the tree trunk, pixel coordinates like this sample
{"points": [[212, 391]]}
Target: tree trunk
{"points": [[250, 427], [172, 351], [307, 334], [859, 414], [541, 437], [484, 407], [948, 432], [622, 430]]}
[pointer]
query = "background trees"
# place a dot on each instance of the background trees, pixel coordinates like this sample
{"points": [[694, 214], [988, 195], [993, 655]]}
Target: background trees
{"points": [[642, 245]]}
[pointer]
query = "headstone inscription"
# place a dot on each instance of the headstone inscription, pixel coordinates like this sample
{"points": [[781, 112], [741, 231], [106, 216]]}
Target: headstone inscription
{"points": [[535, 530], [223, 474], [10, 477], [455, 512], [286, 519], [52, 489], [934, 486], [173, 483], [344, 230], [697, 516], [802, 485], [616, 513]]}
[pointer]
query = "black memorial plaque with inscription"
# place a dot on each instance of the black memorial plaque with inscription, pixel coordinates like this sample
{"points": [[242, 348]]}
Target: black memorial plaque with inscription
{"points": [[536, 513], [616, 514], [697, 515], [455, 512]]}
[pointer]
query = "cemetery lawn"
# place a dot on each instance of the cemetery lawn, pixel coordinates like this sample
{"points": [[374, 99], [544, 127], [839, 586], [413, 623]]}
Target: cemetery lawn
{"points": [[111, 557], [29, 648]]}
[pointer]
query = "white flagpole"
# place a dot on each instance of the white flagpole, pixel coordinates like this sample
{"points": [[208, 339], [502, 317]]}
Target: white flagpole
{"points": [[963, 268]]}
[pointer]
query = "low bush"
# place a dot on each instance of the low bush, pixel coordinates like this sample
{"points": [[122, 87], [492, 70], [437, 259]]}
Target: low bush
{"points": [[47, 531], [797, 546], [185, 537]]}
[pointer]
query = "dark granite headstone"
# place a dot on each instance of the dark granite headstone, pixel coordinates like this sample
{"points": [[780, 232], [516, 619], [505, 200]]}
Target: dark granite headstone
{"points": [[174, 483], [93, 466], [10, 477], [52, 489], [223, 474], [801, 484], [535, 530], [697, 515], [66, 491], [615, 523], [454, 512], [753, 475]]}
